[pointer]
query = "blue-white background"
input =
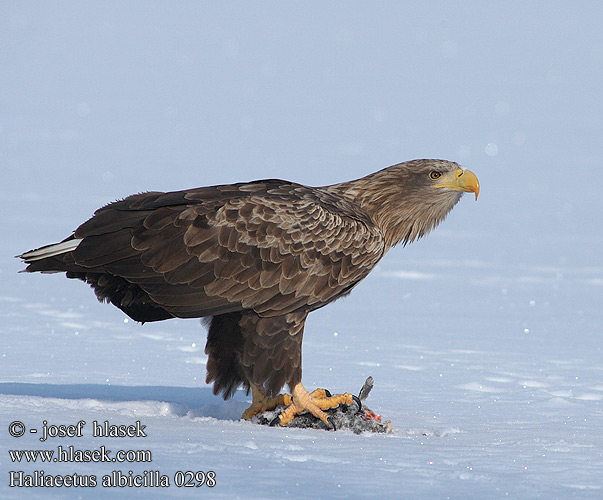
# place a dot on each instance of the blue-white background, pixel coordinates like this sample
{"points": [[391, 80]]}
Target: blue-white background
{"points": [[485, 339]]}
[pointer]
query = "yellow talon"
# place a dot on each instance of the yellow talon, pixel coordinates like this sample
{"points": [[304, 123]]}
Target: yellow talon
{"points": [[299, 402], [261, 403], [320, 394], [315, 402]]}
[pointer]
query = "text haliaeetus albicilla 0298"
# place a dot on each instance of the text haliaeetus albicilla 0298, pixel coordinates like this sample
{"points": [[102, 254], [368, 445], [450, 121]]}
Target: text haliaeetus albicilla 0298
{"points": [[254, 259]]}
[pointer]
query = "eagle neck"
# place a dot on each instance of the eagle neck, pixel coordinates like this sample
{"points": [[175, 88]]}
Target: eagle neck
{"points": [[401, 214]]}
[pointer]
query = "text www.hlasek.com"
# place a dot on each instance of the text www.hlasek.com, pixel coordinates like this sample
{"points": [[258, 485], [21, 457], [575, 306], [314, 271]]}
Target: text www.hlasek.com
{"points": [[71, 454]]}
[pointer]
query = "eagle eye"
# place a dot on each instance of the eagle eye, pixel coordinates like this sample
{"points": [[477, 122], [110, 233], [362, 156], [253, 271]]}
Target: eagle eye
{"points": [[434, 175]]}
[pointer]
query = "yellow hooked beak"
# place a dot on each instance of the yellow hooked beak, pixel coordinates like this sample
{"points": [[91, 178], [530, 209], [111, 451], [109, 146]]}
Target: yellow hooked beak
{"points": [[460, 180]]}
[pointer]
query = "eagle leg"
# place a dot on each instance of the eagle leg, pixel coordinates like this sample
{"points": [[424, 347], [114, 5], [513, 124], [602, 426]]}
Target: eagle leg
{"points": [[315, 402], [261, 403]]}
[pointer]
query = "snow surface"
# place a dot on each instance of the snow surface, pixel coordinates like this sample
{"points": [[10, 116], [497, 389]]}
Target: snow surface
{"points": [[484, 339]]}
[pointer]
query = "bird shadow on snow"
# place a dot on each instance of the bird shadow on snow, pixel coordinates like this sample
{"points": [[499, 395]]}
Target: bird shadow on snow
{"points": [[180, 401]]}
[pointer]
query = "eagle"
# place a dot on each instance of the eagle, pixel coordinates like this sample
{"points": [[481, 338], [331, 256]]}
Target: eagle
{"points": [[254, 259]]}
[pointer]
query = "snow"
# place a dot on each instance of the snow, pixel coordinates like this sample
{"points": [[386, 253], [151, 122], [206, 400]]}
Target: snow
{"points": [[484, 339]]}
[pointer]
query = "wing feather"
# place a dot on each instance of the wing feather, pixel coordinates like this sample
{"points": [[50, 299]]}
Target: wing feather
{"points": [[270, 246]]}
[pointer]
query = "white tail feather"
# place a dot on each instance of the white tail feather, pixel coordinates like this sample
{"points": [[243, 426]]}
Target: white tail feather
{"points": [[51, 250]]}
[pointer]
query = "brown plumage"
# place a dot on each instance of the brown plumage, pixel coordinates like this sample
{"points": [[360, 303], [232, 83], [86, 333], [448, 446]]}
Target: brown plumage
{"points": [[254, 258]]}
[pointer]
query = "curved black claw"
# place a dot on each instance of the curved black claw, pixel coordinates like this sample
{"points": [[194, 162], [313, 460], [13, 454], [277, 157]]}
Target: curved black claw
{"points": [[358, 402], [328, 393], [332, 422], [275, 421]]}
